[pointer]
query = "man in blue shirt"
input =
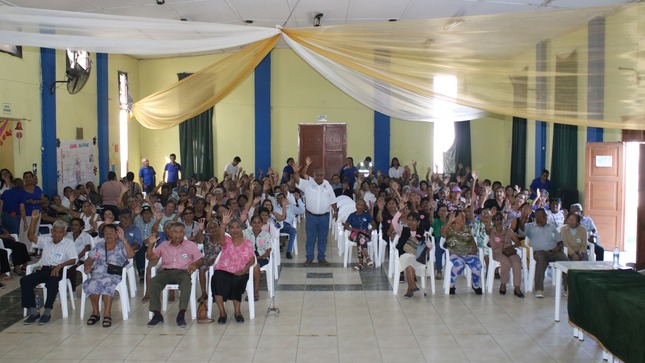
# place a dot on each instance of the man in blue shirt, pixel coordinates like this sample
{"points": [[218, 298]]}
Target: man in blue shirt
{"points": [[132, 235], [173, 169], [147, 176], [542, 182]]}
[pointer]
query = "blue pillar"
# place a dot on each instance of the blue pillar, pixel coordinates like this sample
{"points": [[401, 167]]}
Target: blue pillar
{"points": [[263, 114], [540, 94], [49, 177], [381, 142], [103, 130], [596, 76]]}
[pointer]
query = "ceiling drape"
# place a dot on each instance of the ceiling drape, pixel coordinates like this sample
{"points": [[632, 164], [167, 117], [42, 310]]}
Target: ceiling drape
{"points": [[391, 67]]}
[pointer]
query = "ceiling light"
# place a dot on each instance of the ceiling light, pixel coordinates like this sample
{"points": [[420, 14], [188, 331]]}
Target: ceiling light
{"points": [[248, 21], [161, 2], [453, 23], [317, 19]]}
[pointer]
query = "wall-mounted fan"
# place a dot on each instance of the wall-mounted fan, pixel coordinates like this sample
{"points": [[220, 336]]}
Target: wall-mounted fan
{"points": [[79, 66]]}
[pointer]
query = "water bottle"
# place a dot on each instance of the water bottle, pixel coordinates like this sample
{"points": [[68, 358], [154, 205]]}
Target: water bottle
{"points": [[616, 258]]}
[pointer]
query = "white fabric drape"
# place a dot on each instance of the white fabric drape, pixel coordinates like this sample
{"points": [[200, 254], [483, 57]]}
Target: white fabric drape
{"points": [[384, 98], [140, 37]]}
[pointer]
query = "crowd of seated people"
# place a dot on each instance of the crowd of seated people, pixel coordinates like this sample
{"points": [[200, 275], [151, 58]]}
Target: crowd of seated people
{"points": [[457, 206]]}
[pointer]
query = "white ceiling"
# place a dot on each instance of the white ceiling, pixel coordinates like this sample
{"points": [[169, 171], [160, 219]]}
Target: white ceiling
{"points": [[300, 13]]}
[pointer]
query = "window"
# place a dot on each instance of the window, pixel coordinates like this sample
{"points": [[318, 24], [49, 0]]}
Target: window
{"points": [[444, 127], [125, 105]]}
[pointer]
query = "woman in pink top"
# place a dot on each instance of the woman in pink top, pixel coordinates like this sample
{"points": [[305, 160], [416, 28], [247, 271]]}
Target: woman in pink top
{"points": [[232, 270]]}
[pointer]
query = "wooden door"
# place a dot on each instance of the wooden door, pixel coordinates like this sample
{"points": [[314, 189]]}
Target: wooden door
{"points": [[326, 144], [605, 191]]}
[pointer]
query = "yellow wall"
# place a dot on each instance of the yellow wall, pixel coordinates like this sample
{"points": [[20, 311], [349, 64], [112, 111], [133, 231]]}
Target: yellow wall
{"points": [[298, 95], [20, 86], [491, 141], [412, 141]]}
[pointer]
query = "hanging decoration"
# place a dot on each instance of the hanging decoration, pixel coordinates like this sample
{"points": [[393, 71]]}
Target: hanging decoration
{"points": [[19, 133]]}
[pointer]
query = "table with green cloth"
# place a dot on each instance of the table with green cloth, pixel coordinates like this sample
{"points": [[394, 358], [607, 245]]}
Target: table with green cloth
{"points": [[610, 306]]}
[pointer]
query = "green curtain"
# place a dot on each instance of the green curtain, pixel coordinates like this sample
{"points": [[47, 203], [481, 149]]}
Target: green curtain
{"points": [[518, 152], [564, 160], [462, 144], [196, 144]]}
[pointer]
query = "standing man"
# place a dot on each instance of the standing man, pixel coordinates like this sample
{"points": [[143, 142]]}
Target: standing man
{"points": [[547, 244], [542, 182], [232, 169], [147, 176], [174, 172], [365, 167], [320, 200], [58, 252], [349, 172]]}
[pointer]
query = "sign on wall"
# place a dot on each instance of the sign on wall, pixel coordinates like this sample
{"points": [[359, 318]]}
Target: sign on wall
{"points": [[75, 161]]}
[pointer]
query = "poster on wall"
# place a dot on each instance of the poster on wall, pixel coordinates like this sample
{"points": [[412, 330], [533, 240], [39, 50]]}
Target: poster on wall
{"points": [[75, 163]]}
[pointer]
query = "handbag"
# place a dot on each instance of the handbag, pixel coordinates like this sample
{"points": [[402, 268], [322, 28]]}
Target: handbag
{"points": [[112, 269], [422, 253], [509, 251]]}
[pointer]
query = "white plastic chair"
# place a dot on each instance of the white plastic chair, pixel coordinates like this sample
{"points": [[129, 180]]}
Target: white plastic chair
{"points": [[164, 294], [447, 268], [275, 259], [349, 245], [249, 289], [533, 265], [122, 288], [493, 264], [422, 270], [64, 289], [343, 213], [9, 251]]}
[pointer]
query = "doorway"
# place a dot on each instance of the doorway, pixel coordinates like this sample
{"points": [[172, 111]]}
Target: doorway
{"points": [[326, 144]]}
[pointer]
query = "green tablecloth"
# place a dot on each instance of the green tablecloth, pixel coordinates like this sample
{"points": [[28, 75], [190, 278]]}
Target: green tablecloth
{"points": [[610, 305]]}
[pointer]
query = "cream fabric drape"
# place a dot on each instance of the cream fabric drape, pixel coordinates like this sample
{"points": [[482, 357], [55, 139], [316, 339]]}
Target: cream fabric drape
{"points": [[391, 67], [140, 37], [398, 64], [200, 91]]}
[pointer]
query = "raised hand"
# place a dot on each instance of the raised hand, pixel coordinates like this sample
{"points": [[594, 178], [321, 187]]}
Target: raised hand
{"points": [[308, 160], [35, 213], [180, 208], [474, 174], [380, 202], [120, 233], [226, 217]]}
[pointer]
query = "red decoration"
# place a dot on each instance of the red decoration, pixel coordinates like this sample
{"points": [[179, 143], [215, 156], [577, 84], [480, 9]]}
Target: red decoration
{"points": [[19, 126], [19, 134]]}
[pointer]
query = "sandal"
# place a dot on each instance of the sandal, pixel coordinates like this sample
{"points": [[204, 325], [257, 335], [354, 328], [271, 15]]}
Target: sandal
{"points": [[107, 321], [358, 267], [93, 319], [370, 263]]}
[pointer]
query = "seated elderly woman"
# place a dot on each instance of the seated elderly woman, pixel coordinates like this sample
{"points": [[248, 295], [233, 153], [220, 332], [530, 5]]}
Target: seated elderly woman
{"points": [[262, 246], [462, 250], [574, 237], [232, 270], [503, 242], [114, 251]]}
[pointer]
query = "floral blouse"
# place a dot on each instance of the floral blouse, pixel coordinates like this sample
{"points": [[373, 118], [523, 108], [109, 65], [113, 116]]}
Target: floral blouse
{"points": [[234, 258]]}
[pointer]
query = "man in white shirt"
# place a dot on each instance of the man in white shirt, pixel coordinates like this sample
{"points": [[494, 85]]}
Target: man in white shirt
{"points": [[320, 199], [58, 252], [293, 209], [232, 169]]}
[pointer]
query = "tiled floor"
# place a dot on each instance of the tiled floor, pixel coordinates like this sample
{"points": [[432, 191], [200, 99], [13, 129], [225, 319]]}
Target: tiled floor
{"points": [[329, 314]]}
